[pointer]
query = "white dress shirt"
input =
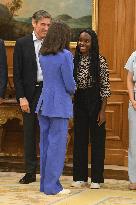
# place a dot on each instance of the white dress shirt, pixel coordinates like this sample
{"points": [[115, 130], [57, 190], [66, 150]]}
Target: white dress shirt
{"points": [[37, 45]]}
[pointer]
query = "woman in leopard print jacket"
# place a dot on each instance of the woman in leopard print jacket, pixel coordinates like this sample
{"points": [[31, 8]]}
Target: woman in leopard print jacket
{"points": [[93, 89]]}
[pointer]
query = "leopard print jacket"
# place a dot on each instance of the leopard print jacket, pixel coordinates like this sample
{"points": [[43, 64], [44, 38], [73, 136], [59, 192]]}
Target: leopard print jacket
{"points": [[85, 80]]}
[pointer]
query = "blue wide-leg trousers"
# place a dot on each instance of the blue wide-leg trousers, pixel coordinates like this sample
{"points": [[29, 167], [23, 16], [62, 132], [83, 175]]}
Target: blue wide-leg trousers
{"points": [[53, 139]]}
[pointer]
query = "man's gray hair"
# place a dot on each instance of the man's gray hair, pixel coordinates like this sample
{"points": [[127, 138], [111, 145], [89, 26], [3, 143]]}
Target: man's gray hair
{"points": [[41, 14]]}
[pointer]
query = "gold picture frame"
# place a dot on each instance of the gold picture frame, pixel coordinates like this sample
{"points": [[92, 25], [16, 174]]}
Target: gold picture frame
{"points": [[94, 20], [94, 24], [95, 15]]}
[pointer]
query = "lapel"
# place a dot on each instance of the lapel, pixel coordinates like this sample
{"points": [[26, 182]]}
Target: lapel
{"points": [[31, 48]]}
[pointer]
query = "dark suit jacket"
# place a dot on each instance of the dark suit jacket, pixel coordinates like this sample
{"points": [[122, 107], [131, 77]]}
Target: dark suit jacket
{"points": [[25, 67], [3, 69]]}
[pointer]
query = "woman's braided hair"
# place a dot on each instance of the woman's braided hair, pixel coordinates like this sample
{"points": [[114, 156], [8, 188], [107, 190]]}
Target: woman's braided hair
{"points": [[93, 54]]}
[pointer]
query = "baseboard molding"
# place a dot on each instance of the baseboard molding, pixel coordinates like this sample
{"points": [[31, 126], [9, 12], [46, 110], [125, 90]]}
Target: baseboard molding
{"points": [[110, 171]]}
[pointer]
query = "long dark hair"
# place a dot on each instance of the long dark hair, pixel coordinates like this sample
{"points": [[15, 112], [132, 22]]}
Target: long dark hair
{"points": [[93, 54], [57, 38]]}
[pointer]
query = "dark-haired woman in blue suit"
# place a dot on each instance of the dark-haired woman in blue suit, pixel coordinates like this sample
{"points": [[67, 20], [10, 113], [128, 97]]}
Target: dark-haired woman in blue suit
{"points": [[55, 106]]}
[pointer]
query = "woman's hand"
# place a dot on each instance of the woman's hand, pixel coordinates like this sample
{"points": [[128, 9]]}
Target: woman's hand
{"points": [[134, 104], [101, 117]]}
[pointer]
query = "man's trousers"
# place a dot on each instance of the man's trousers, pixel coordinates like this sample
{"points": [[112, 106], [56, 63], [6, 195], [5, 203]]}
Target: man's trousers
{"points": [[30, 124]]}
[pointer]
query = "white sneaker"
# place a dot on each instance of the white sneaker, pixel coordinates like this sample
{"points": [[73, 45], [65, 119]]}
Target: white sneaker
{"points": [[64, 191], [89, 180], [78, 184], [95, 185]]}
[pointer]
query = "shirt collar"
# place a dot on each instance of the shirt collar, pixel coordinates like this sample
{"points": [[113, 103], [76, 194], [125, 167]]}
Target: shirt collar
{"points": [[34, 36]]}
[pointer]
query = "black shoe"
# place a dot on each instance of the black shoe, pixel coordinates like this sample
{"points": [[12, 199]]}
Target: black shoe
{"points": [[28, 178]]}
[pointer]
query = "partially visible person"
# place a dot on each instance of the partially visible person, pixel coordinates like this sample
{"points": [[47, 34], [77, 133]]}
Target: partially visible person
{"points": [[3, 71], [55, 106], [131, 85], [28, 84], [90, 99]]}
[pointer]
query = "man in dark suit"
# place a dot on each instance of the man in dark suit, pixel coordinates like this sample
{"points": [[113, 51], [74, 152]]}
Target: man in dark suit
{"points": [[28, 84], [3, 70]]}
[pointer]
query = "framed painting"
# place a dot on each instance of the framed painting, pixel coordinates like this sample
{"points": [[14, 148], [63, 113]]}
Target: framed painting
{"points": [[15, 16]]}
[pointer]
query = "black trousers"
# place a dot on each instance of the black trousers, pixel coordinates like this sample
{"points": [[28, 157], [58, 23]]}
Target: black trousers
{"points": [[86, 130], [30, 124]]}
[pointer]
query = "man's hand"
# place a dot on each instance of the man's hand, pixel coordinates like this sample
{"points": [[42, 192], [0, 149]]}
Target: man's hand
{"points": [[24, 104]]}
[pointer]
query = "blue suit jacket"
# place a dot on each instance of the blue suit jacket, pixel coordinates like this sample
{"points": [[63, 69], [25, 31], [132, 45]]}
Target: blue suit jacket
{"points": [[3, 69], [58, 85]]}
